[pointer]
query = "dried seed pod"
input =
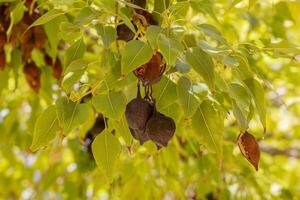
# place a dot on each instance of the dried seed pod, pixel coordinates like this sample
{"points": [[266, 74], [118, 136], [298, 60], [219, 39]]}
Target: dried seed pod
{"points": [[160, 129], [152, 71], [39, 37], [2, 40], [148, 17], [32, 73], [137, 113], [57, 69], [2, 60], [48, 59], [26, 51], [140, 3], [139, 135], [249, 148], [124, 33]]}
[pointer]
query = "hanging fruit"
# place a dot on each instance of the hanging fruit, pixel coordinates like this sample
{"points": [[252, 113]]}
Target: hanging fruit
{"points": [[152, 71], [32, 74], [137, 113], [249, 148], [160, 129]]}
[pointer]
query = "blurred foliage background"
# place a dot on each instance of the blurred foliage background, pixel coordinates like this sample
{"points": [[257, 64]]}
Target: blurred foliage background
{"points": [[265, 33]]}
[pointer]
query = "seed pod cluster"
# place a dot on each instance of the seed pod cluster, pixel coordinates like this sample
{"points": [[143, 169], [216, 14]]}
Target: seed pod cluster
{"points": [[146, 123], [26, 40], [32, 75], [4, 24], [140, 17]]}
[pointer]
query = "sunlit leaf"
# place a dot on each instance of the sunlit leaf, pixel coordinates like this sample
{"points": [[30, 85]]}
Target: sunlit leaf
{"points": [[135, 54], [208, 124], [45, 129], [111, 104], [203, 64], [106, 149]]}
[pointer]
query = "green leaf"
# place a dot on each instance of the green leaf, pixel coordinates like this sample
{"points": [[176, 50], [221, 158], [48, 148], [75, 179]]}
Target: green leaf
{"points": [[74, 52], [164, 92], [170, 49], [76, 65], [71, 114], [240, 104], [203, 64], [187, 100], [127, 22], [122, 129], [85, 16], [106, 149], [208, 124], [51, 31], [135, 54], [107, 33], [70, 32], [50, 15], [243, 70], [70, 79], [45, 129], [111, 105], [258, 94], [152, 35], [211, 31]]}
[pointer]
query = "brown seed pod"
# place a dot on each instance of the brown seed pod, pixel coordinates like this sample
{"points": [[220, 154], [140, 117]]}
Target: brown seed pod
{"points": [[57, 69], [48, 60], [148, 17], [5, 17], [2, 60], [124, 33], [39, 37], [140, 3], [26, 51], [152, 71], [32, 74], [2, 40], [249, 148], [160, 129], [139, 135], [137, 113]]}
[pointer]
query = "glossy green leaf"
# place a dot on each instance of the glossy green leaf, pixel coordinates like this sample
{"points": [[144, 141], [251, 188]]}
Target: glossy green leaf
{"points": [[107, 33], [213, 32], [48, 16], [203, 64], [76, 65], [152, 35], [71, 114], [85, 16], [258, 94], [240, 104], [243, 70], [106, 149], [135, 54], [111, 104], [164, 92], [45, 129], [122, 129], [208, 125], [170, 48], [186, 97], [74, 52]]}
